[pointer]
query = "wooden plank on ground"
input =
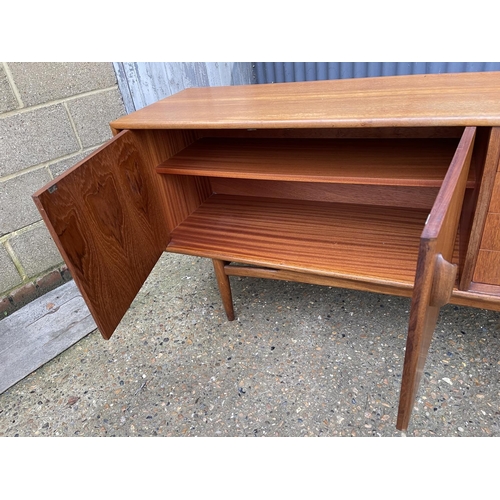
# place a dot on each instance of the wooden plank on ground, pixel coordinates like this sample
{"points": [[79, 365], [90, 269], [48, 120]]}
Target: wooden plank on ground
{"points": [[41, 330]]}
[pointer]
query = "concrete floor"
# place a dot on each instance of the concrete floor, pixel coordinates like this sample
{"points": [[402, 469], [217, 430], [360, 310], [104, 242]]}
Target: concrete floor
{"points": [[299, 360]]}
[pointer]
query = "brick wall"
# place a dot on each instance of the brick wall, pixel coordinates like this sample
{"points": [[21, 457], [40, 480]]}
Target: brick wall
{"points": [[51, 116]]}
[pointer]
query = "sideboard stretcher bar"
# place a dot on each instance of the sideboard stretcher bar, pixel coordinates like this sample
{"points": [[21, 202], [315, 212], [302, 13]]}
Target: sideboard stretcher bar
{"points": [[274, 181]]}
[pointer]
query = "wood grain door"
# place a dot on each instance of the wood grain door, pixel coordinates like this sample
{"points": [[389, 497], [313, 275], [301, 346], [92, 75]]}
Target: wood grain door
{"points": [[435, 275], [107, 217]]}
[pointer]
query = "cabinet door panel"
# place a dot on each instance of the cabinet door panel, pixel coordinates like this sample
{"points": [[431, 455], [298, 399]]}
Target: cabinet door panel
{"points": [[435, 275], [106, 215]]}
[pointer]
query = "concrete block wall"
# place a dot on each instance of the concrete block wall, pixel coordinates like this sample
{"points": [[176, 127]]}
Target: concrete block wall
{"points": [[52, 115]]}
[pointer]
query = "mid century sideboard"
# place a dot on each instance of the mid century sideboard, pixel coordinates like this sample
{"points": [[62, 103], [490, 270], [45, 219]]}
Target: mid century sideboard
{"points": [[388, 185]]}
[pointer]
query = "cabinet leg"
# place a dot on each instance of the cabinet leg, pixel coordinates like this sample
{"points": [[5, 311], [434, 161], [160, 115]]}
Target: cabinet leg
{"points": [[224, 287]]}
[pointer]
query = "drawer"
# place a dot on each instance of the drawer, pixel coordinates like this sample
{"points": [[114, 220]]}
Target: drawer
{"points": [[488, 267], [491, 235], [495, 196]]}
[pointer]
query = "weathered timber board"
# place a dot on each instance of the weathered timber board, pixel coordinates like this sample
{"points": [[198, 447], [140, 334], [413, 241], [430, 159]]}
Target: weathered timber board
{"points": [[41, 330]]}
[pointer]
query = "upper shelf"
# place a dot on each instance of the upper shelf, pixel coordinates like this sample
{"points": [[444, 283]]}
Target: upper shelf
{"points": [[383, 162]]}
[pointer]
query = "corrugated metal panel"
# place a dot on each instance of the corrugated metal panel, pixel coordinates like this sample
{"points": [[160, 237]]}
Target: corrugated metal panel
{"points": [[142, 83], [279, 72]]}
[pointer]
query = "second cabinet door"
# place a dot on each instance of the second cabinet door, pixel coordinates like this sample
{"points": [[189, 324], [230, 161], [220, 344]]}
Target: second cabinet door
{"points": [[435, 275]]}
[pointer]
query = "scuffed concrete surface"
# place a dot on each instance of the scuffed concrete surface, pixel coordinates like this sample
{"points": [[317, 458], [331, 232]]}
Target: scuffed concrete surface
{"points": [[299, 360]]}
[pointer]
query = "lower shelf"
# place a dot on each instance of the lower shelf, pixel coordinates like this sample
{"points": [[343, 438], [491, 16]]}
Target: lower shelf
{"points": [[375, 244]]}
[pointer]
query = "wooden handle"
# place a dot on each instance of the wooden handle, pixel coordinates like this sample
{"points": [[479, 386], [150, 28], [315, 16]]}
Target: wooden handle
{"points": [[443, 281]]}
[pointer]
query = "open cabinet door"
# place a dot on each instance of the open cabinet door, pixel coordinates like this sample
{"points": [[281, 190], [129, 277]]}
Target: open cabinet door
{"points": [[106, 215], [435, 275]]}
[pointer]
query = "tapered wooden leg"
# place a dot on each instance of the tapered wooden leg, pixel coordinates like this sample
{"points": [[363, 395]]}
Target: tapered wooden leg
{"points": [[224, 288]]}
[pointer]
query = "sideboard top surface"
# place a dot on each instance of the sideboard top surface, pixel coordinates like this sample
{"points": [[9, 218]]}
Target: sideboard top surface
{"points": [[451, 99]]}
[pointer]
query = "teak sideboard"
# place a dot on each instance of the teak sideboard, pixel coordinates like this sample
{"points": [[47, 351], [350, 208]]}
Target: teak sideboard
{"points": [[388, 185]]}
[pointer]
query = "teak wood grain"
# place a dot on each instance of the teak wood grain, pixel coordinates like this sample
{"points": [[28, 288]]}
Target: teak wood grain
{"points": [[358, 194], [481, 295], [326, 182], [107, 216], [487, 296], [436, 251], [467, 99], [470, 205], [347, 241], [224, 287], [401, 162], [491, 235], [235, 269], [488, 267], [337, 133], [182, 195], [487, 198], [495, 197]]}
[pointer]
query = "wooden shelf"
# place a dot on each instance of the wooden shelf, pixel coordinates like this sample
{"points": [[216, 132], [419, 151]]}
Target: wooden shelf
{"points": [[389, 162], [362, 185], [378, 245]]}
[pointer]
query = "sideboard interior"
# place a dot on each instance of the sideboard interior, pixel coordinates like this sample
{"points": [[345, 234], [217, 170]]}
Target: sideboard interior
{"points": [[387, 185]]}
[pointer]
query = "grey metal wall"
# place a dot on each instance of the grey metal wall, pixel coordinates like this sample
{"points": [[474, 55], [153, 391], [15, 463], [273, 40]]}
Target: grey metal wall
{"points": [[142, 83], [279, 72]]}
